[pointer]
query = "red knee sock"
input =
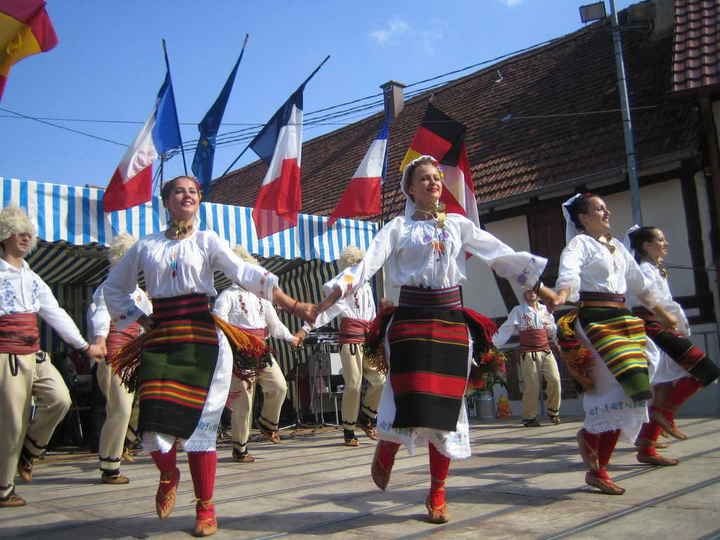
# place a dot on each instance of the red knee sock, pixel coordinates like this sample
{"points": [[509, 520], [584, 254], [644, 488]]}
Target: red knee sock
{"points": [[608, 440], [439, 465], [386, 451], [203, 466], [683, 389], [648, 437], [165, 462]]}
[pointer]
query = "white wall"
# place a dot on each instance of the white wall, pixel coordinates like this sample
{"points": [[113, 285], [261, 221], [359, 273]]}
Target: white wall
{"points": [[662, 206], [480, 292]]}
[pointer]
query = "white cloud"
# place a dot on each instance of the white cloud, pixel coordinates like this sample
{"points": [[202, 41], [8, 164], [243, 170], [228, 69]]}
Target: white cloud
{"points": [[391, 30]]}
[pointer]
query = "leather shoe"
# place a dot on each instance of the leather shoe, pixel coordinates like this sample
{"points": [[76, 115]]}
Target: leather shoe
{"points": [[12, 500], [656, 459], [243, 457], [605, 485], [114, 479], [25, 467], [272, 436], [165, 498], [437, 514]]}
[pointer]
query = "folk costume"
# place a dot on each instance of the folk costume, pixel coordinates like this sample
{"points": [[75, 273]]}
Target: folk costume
{"points": [[599, 275], [26, 372], [536, 329], [118, 400], [682, 369], [185, 361], [245, 310], [427, 345], [355, 319]]}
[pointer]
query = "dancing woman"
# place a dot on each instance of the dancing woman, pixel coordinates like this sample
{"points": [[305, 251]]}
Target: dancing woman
{"points": [[427, 345], [683, 368], [185, 360], [598, 271]]}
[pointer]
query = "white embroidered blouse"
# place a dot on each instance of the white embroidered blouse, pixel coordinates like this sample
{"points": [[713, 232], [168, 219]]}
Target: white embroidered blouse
{"points": [[179, 267], [23, 291], [423, 254], [245, 310], [523, 317], [588, 265]]}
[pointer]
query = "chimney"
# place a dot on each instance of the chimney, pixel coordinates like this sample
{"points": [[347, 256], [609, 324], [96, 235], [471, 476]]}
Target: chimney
{"points": [[394, 99]]}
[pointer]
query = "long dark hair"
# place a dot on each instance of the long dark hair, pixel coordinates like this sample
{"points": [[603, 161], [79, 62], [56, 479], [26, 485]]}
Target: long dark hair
{"points": [[638, 238], [581, 205]]}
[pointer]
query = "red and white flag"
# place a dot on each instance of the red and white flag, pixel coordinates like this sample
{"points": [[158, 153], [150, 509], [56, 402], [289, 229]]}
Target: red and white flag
{"points": [[131, 184], [362, 196], [279, 144]]}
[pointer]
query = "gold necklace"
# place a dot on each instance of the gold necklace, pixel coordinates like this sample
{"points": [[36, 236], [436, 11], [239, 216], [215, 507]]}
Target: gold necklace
{"points": [[601, 239], [180, 228]]}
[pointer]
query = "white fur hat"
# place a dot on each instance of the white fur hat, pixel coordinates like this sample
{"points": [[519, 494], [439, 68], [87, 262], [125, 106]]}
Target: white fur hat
{"points": [[119, 246], [244, 254], [351, 255], [14, 220]]}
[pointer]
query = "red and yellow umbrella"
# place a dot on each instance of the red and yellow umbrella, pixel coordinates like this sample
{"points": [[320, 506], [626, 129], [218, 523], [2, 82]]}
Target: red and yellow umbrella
{"points": [[25, 29]]}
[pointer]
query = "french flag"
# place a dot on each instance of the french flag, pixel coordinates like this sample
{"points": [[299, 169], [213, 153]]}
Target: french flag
{"points": [[279, 144], [132, 182], [362, 196]]}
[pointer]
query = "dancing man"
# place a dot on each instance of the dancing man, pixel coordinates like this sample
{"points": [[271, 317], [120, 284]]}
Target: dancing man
{"points": [[258, 317], [356, 314], [25, 371], [536, 329]]}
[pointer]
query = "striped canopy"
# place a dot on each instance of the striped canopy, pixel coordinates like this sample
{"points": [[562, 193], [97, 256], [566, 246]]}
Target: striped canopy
{"points": [[74, 215]]}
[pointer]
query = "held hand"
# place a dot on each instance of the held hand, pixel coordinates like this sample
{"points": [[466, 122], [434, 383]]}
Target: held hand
{"points": [[96, 351], [101, 342], [299, 337], [306, 312], [552, 299]]}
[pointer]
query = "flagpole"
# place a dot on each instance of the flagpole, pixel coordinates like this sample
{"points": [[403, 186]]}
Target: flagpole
{"points": [[182, 149], [298, 88]]}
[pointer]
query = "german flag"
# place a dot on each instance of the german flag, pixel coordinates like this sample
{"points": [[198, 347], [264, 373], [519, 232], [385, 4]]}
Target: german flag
{"points": [[444, 138], [25, 29]]}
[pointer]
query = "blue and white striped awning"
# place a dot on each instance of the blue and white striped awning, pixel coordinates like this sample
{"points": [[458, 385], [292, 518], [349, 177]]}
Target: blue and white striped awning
{"points": [[75, 215]]}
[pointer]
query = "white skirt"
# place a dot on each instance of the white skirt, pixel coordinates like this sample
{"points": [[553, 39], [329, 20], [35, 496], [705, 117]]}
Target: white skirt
{"points": [[204, 438], [606, 406], [452, 444]]}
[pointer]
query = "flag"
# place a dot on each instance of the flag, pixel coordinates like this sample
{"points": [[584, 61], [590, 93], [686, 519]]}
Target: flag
{"points": [[279, 144], [25, 29], [131, 184], [362, 196], [444, 138], [202, 164]]}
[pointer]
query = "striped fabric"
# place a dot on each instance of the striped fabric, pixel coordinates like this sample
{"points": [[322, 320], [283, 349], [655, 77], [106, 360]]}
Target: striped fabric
{"points": [[353, 330], [428, 367], [619, 338], [681, 350], [75, 215], [419, 297], [178, 362]]}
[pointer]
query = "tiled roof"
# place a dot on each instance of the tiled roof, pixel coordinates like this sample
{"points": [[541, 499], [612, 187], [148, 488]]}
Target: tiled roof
{"points": [[696, 50], [544, 117]]}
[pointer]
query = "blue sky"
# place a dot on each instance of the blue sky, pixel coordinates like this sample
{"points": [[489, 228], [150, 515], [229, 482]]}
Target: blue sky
{"points": [[109, 66]]}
